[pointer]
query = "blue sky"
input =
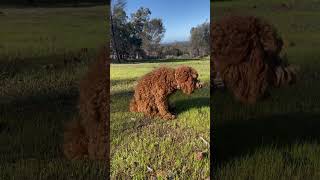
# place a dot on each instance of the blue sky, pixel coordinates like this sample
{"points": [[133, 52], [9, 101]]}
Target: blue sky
{"points": [[178, 16]]}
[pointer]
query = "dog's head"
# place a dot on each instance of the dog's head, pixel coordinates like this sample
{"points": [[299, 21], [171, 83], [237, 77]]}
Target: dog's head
{"points": [[187, 79]]}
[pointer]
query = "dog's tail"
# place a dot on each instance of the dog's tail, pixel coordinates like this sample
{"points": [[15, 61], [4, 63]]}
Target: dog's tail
{"points": [[75, 145], [133, 105]]}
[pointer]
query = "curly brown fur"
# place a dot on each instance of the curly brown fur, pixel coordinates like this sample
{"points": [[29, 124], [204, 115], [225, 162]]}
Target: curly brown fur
{"points": [[152, 92], [88, 136], [245, 51]]}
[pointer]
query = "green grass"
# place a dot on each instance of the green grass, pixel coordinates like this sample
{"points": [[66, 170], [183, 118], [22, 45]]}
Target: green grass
{"points": [[39, 91], [277, 138], [167, 147]]}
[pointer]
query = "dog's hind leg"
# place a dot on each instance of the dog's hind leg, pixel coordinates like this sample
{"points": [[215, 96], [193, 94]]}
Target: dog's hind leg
{"points": [[162, 105], [133, 105]]}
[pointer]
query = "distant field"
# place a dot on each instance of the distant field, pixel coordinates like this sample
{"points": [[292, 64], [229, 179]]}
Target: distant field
{"points": [[40, 68], [277, 138], [168, 148]]}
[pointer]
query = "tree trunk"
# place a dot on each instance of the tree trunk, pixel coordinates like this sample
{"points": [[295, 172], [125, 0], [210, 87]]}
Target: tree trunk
{"points": [[113, 39]]}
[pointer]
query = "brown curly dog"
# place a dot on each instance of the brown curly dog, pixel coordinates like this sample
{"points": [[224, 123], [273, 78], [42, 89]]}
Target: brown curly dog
{"points": [[245, 52], [88, 135], [152, 92]]}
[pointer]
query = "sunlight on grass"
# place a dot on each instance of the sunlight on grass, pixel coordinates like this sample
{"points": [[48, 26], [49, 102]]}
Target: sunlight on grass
{"points": [[142, 147]]}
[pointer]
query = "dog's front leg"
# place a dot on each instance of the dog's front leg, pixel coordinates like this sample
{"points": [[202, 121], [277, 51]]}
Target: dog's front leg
{"points": [[162, 105]]}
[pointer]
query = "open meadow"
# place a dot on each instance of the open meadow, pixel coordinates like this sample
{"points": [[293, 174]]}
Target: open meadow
{"points": [[277, 138], [142, 147], [44, 52]]}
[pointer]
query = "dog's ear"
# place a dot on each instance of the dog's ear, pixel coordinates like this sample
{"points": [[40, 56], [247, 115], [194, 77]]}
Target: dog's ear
{"points": [[182, 74], [269, 38], [185, 76]]}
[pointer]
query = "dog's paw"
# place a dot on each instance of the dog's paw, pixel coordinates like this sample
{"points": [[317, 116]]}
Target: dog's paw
{"points": [[169, 117]]}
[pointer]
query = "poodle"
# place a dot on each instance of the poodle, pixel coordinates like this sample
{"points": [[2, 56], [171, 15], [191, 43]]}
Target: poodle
{"points": [[152, 91], [246, 54], [88, 135]]}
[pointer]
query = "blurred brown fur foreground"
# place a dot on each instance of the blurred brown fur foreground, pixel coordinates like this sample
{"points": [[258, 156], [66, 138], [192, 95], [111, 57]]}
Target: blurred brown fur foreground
{"points": [[88, 135], [246, 54]]}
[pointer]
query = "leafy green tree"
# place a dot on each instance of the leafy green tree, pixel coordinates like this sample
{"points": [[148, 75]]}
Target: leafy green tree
{"points": [[118, 19], [200, 40], [153, 34], [150, 31], [135, 37]]}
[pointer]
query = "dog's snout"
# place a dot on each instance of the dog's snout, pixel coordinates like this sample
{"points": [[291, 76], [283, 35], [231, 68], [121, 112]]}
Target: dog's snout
{"points": [[199, 84]]}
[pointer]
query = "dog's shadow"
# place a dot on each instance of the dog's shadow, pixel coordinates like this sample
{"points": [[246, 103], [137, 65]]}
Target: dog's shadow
{"points": [[234, 139], [182, 105]]}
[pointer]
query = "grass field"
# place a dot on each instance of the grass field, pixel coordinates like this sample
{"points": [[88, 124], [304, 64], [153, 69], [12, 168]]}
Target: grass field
{"points": [[39, 88], [142, 148], [277, 138]]}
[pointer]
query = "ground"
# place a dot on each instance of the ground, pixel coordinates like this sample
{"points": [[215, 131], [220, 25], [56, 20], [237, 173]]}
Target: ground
{"points": [[143, 147], [274, 139], [39, 77], [277, 138]]}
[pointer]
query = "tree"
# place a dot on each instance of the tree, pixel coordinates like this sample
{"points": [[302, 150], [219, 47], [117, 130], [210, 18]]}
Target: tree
{"points": [[154, 32], [140, 18], [118, 19], [200, 40], [150, 31], [135, 37]]}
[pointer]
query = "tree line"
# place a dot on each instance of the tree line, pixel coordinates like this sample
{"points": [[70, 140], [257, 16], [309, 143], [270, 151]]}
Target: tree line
{"points": [[139, 37]]}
